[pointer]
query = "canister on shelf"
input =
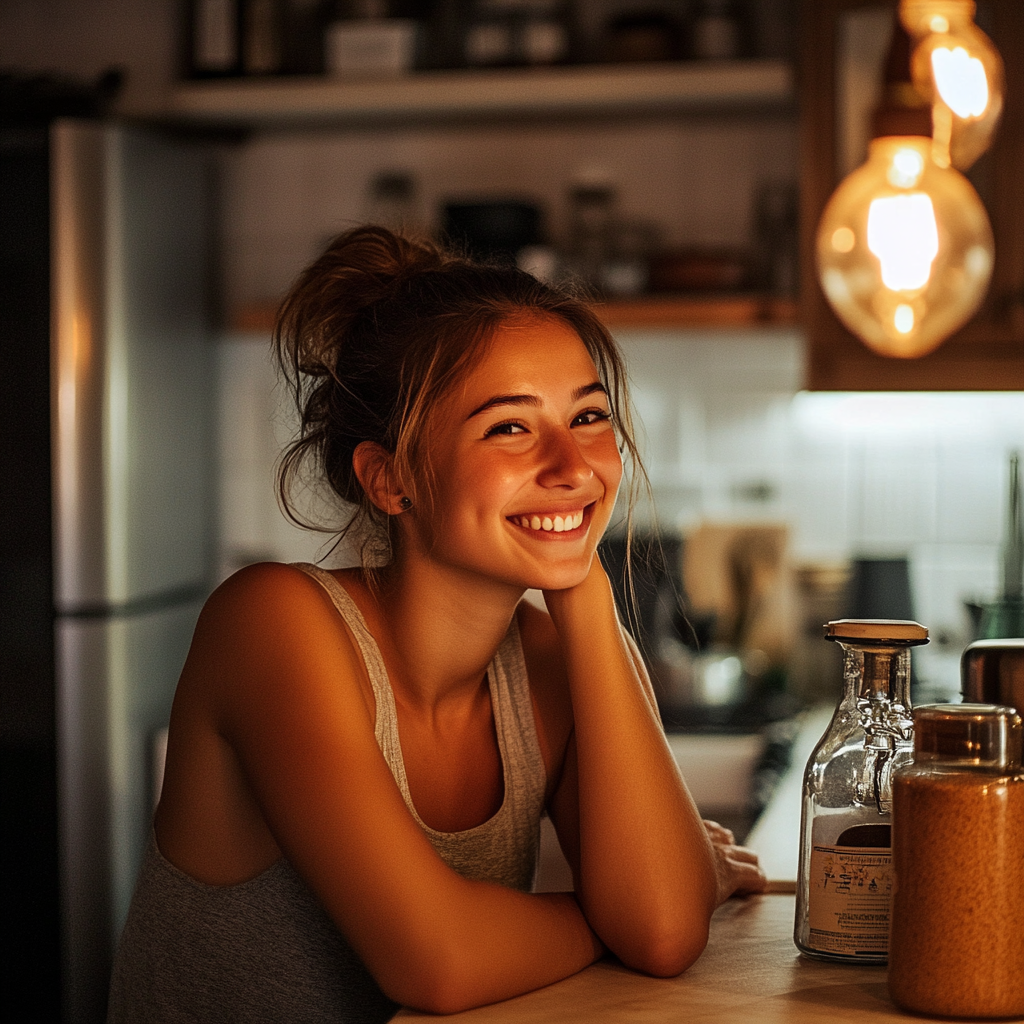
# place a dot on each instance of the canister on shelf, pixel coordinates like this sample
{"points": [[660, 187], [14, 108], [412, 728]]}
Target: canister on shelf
{"points": [[957, 935]]}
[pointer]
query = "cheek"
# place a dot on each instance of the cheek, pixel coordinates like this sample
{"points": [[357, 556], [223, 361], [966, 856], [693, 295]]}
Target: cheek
{"points": [[607, 462]]}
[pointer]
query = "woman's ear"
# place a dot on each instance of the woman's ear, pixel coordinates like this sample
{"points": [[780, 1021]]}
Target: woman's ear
{"points": [[374, 468]]}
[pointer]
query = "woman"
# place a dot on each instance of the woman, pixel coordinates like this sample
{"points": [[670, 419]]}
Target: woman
{"points": [[358, 760]]}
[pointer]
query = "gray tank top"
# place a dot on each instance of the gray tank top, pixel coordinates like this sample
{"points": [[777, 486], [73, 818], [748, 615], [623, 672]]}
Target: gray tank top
{"points": [[265, 949]]}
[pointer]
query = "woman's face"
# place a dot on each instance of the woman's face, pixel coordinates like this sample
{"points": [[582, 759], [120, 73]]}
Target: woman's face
{"points": [[526, 462]]}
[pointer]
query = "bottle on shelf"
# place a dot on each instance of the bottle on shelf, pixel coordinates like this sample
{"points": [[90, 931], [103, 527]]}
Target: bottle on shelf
{"points": [[717, 30], [303, 30], [213, 39], [262, 37], [844, 879], [591, 208]]}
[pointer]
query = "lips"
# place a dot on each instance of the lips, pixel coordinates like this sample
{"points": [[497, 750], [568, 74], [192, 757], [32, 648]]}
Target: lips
{"points": [[549, 522]]}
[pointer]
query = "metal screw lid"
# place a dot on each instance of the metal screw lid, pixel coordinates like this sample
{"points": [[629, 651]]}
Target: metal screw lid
{"points": [[984, 735], [885, 632]]}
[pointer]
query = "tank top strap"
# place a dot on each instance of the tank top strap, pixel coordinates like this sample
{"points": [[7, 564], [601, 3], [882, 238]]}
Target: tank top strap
{"points": [[385, 727]]}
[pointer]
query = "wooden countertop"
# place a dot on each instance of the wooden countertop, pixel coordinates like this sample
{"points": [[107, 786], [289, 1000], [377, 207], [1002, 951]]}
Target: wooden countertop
{"points": [[751, 971]]}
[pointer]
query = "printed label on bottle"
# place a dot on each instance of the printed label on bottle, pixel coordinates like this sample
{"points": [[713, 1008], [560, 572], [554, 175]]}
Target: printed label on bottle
{"points": [[848, 900]]}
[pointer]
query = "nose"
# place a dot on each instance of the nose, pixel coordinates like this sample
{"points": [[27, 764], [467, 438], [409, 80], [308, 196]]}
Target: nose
{"points": [[563, 464]]}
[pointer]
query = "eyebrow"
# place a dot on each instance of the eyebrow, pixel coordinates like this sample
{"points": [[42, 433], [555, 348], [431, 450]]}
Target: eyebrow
{"points": [[581, 392]]}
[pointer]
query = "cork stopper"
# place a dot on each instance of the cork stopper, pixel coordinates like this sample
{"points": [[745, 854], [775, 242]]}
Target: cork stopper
{"points": [[983, 735], [877, 632]]}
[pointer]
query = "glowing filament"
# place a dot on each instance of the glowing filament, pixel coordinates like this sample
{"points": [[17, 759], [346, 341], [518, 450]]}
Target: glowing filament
{"points": [[903, 318], [960, 80], [903, 234]]}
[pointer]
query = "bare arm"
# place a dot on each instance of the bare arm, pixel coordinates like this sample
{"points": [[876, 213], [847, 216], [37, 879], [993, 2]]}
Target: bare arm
{"points": [[277, 674], [649, 874]]}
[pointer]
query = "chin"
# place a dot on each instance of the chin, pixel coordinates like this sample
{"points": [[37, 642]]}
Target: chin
{"points": [[561, 579]]}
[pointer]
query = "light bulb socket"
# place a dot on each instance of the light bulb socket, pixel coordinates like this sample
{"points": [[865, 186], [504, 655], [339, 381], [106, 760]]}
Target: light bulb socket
{"points": [[903, 110]]}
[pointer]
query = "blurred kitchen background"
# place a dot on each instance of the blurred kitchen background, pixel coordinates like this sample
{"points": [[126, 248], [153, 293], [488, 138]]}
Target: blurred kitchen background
{"points": [[658, 153]]}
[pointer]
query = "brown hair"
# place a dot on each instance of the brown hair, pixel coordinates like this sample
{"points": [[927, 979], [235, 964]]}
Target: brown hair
{"points": [[375, 333]]}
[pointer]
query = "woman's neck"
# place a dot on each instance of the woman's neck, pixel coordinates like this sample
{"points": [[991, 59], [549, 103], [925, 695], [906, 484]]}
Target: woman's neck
{"points": [[437, 629]]}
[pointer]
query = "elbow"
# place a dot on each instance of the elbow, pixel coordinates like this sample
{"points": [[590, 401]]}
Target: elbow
{"points": [[439, 983], [668, 958], [667, 948]]}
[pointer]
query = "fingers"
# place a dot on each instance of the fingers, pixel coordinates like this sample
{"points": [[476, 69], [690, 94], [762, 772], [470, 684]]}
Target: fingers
{"points": [[739, 871], [719, 833]]}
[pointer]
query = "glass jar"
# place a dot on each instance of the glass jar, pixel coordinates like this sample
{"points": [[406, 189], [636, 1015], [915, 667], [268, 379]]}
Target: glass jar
{"points": [[957, 945], [844, 874]]}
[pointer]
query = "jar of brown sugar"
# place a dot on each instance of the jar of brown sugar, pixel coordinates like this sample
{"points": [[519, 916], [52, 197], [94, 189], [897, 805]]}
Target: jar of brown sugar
{"points": [[956, 944]]}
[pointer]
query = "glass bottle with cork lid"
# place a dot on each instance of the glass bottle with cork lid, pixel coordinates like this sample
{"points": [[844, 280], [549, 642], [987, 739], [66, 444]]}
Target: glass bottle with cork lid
{"points": [[957, 937], [844, 877]]}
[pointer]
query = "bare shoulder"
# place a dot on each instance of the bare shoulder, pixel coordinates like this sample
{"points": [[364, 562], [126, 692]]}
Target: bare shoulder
{"points": [[266, 625]]}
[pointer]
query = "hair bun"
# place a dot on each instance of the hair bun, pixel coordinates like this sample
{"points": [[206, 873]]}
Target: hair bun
{"points": [[358, 269]]}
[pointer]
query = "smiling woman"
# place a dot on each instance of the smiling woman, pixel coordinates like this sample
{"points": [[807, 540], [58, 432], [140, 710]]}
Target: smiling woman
{"points": [[358, 759]]}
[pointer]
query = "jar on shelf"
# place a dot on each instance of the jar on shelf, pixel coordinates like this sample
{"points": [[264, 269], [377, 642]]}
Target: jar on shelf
{"points": [[505, 33], [957, 943], [844, 878], [364, 39]]}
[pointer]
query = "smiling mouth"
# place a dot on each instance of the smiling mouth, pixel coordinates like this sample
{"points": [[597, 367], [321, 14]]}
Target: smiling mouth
{"points": [[563, 522]]}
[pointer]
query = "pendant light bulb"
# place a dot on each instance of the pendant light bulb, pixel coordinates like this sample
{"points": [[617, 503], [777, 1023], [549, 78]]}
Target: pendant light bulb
{"points": [[957, 67], [904, 249]]}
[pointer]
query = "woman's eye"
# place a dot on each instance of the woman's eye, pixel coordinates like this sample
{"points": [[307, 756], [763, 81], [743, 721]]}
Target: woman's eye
{"points": [[508, 427], [585, 419]]}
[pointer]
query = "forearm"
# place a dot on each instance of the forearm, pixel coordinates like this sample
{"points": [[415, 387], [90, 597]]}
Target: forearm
{"points": [[490, 943], [646, 880]]}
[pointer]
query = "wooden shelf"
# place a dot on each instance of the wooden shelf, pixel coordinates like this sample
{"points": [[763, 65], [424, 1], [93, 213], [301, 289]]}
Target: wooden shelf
{"points": [[453, 95], [677, 312], [650, 312]]}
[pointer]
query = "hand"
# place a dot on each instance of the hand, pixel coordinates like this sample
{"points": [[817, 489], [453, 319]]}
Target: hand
{"points": [[592, 592], [737, 868]]}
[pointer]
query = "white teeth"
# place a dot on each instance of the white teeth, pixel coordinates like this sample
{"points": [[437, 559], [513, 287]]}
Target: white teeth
{"points": [[552, 524]]}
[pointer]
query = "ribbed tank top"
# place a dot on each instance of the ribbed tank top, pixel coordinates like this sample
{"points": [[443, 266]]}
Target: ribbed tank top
{"points": [[265, 950]]}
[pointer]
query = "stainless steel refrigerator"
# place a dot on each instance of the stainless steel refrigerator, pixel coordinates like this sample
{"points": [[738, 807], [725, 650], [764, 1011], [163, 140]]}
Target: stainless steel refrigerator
{"points": [[107, 520]]}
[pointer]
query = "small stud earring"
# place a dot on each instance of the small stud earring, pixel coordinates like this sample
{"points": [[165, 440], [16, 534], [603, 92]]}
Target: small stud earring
{"points": [[405, 503]]}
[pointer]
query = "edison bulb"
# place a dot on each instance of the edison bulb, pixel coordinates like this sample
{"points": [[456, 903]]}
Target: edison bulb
{"points": [[904, 249], [959, 69]]}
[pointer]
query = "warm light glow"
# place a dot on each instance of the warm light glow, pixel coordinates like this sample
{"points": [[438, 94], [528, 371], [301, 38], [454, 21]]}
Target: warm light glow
{"points": [[903, 318], [960, 80], [906, 168], [903, 234], [959, 69], [843, 239], [904, 266]]}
